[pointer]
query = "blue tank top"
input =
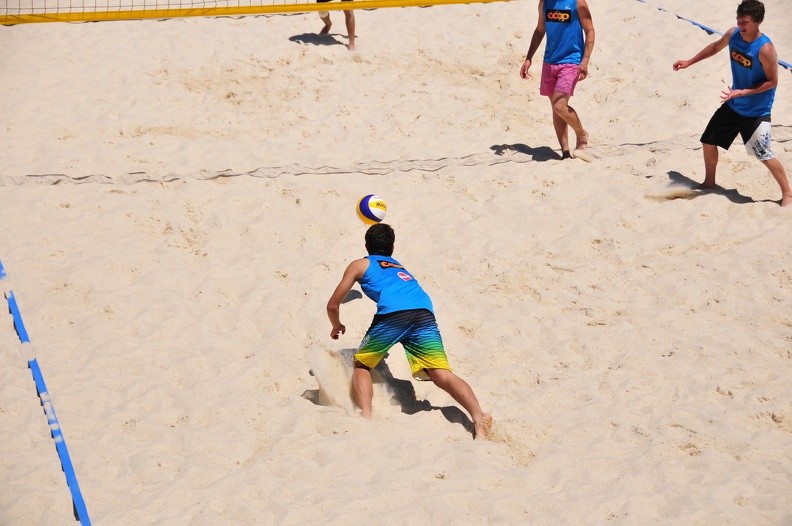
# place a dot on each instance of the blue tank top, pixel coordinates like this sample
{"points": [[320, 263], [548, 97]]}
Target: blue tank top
{"points": [[564, 32], [747, 72], [392, 287]]}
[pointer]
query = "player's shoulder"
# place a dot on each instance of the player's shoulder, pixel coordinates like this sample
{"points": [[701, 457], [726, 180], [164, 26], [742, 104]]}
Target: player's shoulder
{"points": [[767, 40], [768, 49], [725, 38], [357, 268]]}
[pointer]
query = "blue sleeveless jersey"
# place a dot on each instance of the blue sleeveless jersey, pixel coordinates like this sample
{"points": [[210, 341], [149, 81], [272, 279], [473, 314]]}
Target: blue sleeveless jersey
{"points": [[392, 287], [747, 72], [564, 32]]}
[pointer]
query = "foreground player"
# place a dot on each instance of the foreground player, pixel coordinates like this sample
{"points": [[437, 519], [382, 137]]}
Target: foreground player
{"points": [[754, 66], [404, 315]]}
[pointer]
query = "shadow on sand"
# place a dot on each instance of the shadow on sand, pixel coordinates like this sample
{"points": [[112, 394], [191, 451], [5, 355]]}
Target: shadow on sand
{"points": [[732, 194], [317, 39], [540, 154], [402, 393]]}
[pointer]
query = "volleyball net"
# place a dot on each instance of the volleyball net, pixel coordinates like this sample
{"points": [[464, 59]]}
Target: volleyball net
{"points": [[31, 11]]}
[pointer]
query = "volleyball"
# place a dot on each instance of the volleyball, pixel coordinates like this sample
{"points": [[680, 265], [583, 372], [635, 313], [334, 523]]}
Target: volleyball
{"points": [[371, 209]]}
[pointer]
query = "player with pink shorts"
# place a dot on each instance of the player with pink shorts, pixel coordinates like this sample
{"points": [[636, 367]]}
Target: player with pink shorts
{"points": [[570, 41], [558, 78]]}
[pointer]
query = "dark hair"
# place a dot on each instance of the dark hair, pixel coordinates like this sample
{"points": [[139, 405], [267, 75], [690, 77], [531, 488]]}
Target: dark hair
{"points": [[379, 240], [752, 8]]}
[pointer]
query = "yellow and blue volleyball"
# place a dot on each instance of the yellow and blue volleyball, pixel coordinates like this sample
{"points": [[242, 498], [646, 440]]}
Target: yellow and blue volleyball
{"points": [[371, 209]]}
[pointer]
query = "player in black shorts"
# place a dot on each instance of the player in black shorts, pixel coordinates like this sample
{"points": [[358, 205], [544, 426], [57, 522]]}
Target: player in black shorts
{"points": [[747, 103]]}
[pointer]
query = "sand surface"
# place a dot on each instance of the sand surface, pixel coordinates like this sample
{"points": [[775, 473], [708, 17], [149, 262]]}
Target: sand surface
{"points": [[177, 205]]}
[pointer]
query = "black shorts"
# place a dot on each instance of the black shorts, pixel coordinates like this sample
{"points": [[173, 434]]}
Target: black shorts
{"points": [[726, 123]]}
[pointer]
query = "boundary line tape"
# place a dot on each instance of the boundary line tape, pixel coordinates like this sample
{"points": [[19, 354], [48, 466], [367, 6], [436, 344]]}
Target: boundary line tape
{"points": [[711, 31], [80, 511]]}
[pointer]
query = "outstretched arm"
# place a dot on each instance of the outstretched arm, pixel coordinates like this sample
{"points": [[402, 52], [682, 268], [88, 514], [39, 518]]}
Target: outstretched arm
{"points": [[707, 52], [536, 39], [352, 274], [588, 31]]}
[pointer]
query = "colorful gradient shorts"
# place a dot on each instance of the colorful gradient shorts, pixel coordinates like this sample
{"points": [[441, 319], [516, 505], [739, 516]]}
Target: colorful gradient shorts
{"points": [[418, 333]]}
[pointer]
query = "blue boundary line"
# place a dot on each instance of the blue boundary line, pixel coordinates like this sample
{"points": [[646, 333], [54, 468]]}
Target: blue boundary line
{"points": [[711, 31], [80, 511]]}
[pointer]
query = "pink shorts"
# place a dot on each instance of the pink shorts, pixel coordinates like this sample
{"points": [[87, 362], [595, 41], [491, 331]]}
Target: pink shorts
{"points": [[558, 78]]}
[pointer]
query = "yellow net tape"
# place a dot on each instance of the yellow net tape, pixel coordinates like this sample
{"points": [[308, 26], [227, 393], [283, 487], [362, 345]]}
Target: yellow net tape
{"points": [[27, 11]]}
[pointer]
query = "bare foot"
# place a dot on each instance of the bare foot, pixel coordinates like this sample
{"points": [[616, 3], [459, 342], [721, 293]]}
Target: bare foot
{"points": [[580, 149], [582, 142], [583, 155], [786, 200], [483, 428], [707, 186], [566, 155]]}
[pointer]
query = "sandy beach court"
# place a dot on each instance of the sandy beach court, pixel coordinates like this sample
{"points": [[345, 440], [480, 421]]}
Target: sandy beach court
{"points": [[177, 204]]}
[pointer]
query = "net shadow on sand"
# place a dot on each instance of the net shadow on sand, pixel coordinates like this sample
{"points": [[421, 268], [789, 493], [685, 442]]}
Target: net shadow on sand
{"points": [[498, 154]]}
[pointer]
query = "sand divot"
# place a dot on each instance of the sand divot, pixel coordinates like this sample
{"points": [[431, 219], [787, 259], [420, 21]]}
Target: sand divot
{"points": [[673, 193], [502, 433], [333, 373]]}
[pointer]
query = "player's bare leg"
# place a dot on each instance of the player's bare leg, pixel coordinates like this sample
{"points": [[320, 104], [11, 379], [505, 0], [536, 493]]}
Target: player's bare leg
{"points": [[710, 165], [464, 396], [362, 388], [567, 113], [561, 130], [779, 174], [582, 140], [350, 25], [327, 24]]}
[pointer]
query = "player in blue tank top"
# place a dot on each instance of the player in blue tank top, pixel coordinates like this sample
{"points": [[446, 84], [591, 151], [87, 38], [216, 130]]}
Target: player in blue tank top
{"points": [[392, 287], [570, 41], [746, 105], [404, 315]]}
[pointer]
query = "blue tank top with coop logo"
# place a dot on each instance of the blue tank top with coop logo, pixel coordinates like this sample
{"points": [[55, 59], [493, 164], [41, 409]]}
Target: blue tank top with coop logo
{"points": [[392, 287], [564, 32], [747, 72]]}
